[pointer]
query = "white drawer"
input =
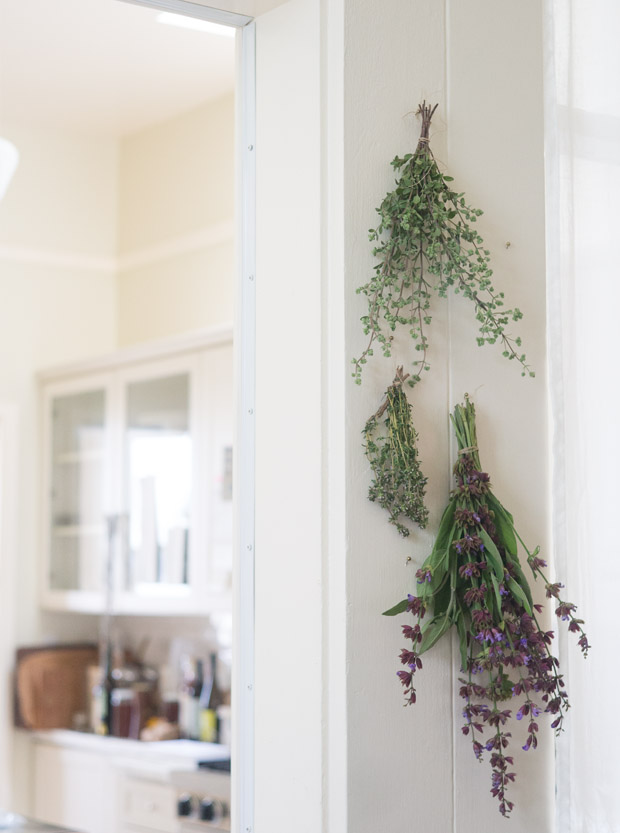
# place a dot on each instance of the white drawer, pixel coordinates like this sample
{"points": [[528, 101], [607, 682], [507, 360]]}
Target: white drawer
{"points": [[150, 805]]}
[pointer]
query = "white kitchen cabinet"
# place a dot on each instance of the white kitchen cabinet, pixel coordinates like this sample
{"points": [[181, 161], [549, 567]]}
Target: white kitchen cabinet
{"points": [[99, 784], [146, 806], [74, 789], [137, 509]]}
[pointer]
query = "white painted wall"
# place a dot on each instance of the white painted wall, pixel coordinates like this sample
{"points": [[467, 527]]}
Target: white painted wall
{"points": [[288, 630], [335, 750], [499, 163]]}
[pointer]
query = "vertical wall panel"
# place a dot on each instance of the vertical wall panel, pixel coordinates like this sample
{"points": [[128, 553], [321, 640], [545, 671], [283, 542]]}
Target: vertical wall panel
{"points": [[495, 153], [400, 760]]}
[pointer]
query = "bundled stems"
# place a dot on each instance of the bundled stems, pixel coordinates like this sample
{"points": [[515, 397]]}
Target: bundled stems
{"points": [[390, 444], [426, 243], [473, 580]]}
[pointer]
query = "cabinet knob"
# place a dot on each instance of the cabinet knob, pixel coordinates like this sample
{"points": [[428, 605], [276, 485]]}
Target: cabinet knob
{"points": [[184, 805], [207, 810]]}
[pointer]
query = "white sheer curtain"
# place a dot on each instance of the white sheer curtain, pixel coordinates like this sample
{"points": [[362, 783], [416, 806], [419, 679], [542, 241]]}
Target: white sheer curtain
{"points": [[583, 226]]}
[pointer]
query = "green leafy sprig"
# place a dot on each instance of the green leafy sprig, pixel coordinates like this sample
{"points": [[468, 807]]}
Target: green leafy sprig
{"points": [[473, 580], [390, 444], [427, 243]]}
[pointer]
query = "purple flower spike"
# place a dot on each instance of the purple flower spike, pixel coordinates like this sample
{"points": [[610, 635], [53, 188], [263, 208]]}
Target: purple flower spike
{"points": [[479, 587], [424, 574]]}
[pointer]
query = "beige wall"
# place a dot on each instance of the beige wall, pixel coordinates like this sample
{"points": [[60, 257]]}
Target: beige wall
{"points": [[175, 224], [63, 196], [102, 242], [58, 291]]}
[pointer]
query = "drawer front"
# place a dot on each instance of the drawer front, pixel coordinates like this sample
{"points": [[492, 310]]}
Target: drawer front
{"points": [[149, 805]]}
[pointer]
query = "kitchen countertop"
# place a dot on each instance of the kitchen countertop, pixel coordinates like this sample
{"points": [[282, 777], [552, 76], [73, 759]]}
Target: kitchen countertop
{"points": [[191, 751], [154, 760], [12, 821]]}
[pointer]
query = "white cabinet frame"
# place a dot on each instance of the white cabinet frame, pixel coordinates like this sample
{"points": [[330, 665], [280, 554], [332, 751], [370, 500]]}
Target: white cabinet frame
{"points": [[204, 359]]}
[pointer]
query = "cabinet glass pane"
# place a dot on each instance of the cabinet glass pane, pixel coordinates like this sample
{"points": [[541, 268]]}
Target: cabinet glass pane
{"points": [[158, 479], [77, 482]]}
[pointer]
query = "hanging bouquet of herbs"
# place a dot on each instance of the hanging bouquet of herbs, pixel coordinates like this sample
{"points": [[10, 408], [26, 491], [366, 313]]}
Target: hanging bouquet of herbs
{"points": [[427, 243], [390, 444], [473, 580]]}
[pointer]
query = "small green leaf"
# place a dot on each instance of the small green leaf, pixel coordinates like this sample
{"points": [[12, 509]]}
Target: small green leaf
{"points": [[504, 524], [401, 607], [518, 592], [521, 577], [498, 595], [462, 632], [493, 555], [445, 533], [433, 631]]}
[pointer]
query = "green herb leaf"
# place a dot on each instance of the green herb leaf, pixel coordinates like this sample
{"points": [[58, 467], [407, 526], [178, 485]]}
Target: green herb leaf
{"points": [[433, 631], [493, 556], [498, 595], [518, 592], [401, 607], [504, 524], [462, 632]]}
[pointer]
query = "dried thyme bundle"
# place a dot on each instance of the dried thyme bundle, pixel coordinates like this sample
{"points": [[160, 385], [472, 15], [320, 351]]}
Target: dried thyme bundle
{"points": [[427, 242], [390, 444]]}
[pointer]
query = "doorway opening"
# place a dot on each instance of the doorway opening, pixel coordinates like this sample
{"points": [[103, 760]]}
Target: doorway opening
{"points": [[128, 251]]}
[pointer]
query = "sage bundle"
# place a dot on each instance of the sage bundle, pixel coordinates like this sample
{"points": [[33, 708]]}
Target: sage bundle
{"points": [[473, 580], [427, 243]]}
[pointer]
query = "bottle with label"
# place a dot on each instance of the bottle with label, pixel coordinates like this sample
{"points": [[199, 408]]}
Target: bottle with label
{"points": [[211, 699], [189, 699]]}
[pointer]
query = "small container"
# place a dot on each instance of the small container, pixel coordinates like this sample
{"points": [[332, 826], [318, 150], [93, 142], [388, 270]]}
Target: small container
{"points": [[224, 724], [170, 709], [141, 709], [121, 702]]}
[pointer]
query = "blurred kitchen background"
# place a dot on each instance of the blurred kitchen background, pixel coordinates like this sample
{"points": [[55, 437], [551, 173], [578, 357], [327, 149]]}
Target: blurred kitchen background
{"points": [[116, 415]]}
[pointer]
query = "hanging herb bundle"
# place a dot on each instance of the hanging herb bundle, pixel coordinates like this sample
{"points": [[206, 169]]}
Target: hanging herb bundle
{"points": [[427, 242], [473, 580], [390, 444]]}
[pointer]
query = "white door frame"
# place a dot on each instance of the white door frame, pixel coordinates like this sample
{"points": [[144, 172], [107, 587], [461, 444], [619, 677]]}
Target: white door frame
{"points": [[245, 375]]}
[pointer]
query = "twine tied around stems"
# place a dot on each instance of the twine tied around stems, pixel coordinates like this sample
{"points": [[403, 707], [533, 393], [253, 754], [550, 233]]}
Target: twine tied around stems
{"points": [[399, 379]]}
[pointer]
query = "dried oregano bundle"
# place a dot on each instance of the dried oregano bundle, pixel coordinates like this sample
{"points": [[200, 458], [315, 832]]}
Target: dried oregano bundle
{"points": [[427, 242], [473, 580], [390, 444]]}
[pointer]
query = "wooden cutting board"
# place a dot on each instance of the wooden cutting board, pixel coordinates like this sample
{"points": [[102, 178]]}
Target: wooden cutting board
{"points": [[50, 685]]}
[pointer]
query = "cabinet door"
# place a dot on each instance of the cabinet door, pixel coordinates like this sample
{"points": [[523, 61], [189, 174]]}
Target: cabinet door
{"points": [[158, 455], [218, 425], [74, 789], [148, 806], [76, 479]]}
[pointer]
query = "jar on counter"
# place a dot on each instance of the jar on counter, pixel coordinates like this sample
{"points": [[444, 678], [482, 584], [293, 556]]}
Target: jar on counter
{"points": [[121, 700]]}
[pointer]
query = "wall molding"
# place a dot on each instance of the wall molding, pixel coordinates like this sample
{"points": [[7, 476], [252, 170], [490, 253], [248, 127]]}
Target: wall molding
{"points": [[175, 246], [197, 241], [61, 260]]}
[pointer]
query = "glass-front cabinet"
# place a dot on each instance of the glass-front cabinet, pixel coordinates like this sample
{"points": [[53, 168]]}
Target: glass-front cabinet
{"points": [[138, 497], [76, 520]]}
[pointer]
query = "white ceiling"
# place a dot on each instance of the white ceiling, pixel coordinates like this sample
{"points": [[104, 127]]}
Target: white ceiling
{"points": [[103, 66]]}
